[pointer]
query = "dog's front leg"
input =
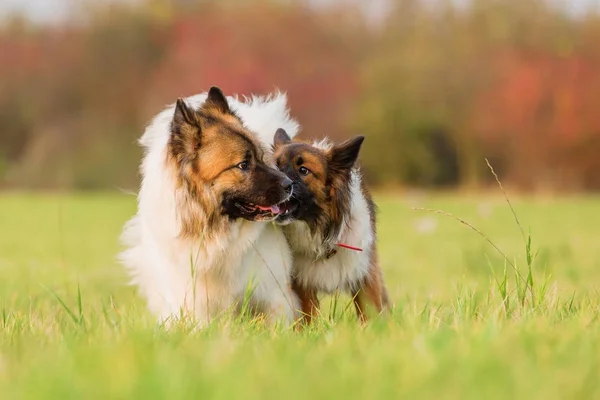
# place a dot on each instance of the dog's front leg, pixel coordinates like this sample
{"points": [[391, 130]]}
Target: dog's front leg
{"points": [[211, 299]]}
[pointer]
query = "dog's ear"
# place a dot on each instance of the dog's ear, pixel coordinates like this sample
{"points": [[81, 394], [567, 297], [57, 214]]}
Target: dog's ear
{"points": [[281, 138], [343, 156], [183, 114], [217, 99], [185, 130]]}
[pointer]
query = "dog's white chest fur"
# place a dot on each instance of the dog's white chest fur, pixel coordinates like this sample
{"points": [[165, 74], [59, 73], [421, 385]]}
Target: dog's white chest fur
{"points": [[345, 269]]}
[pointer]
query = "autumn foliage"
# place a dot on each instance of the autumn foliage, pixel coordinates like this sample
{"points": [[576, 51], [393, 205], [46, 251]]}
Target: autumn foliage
{"points": [[436, 90]]}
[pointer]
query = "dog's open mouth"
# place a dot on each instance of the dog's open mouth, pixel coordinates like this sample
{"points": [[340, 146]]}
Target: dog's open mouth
{"points": [[264, 212]]}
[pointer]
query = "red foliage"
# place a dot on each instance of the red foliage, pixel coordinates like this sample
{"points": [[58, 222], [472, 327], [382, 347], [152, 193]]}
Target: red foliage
{"points": [[539, 107]]}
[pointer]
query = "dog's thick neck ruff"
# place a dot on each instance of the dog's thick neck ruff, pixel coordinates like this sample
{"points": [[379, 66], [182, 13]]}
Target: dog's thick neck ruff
{"points": [[325, 265], [331, 230]]}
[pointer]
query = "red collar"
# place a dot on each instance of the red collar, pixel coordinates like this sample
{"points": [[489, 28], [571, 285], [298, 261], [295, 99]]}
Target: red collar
{"points": [[347, 246]]}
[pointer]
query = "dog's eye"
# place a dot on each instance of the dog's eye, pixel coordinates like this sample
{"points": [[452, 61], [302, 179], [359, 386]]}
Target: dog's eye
{"points": [[243, 165], [303, 171]]}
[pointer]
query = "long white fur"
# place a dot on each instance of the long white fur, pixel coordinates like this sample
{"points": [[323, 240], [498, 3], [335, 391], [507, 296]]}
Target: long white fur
{"points": [[204, 278], [346, 268]]}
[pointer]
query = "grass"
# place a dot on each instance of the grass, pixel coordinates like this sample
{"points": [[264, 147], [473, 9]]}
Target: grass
{"points": [[466, 324]]}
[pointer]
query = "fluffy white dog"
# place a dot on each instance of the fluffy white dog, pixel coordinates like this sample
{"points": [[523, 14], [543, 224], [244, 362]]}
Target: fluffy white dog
{"points": [[194, 247]]}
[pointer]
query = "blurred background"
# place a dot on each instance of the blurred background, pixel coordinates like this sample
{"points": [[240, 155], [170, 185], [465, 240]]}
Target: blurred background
{"points": [[435, 85]]}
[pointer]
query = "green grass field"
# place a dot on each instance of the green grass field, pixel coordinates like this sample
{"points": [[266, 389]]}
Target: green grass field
{"points": [[464, 326]]}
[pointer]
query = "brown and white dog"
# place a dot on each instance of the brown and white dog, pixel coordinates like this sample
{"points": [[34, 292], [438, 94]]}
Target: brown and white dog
{"points": [[330, 207], [209, 183]]}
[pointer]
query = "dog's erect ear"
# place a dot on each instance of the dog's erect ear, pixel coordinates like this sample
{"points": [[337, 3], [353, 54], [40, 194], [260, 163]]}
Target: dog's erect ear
{"points": [[281, 138], [185, 131], [217, 99], [343, 156], [183, 114]]}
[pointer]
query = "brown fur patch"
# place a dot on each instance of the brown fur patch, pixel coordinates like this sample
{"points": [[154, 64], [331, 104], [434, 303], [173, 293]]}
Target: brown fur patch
{"points": [[372, 289], [309, 301]]}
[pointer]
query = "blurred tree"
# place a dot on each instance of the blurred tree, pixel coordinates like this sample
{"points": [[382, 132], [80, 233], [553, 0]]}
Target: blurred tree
{"points": [[507, 80]]}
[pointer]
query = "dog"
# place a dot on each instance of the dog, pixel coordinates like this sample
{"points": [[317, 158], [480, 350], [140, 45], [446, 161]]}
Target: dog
{"points": [[209, 186], [330, 208]]}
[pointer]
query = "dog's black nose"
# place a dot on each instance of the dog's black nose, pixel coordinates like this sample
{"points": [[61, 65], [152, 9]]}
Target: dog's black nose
{"points": [[287, 184]]}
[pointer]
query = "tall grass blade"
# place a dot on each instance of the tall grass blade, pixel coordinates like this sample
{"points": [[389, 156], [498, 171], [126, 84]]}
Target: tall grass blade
{"points": [[67, 309]]}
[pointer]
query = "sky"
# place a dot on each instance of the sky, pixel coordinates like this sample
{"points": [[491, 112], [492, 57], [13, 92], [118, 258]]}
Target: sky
{"points": [[52, 11]]}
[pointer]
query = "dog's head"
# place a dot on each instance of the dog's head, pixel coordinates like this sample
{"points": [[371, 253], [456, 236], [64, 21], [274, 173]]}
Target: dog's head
{"points": [[321, 181], [221, 165]]}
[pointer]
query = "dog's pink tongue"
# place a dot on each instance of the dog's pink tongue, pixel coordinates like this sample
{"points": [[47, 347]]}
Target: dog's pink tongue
{"points": [[274, 209]]}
